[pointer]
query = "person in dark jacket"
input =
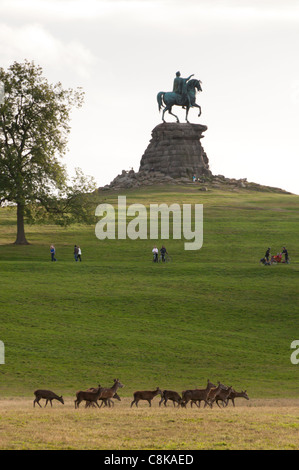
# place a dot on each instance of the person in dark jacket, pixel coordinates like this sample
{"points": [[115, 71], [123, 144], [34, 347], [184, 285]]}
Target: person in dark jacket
{"points": [[163, 252], [267, 254], [286, 255]]}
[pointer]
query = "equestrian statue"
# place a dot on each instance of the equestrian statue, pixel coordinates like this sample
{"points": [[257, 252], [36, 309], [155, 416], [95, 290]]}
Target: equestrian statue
{"points": [[183, 94]]}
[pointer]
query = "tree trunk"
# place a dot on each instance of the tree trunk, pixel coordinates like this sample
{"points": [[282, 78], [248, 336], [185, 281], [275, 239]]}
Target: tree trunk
{"points": [[21, 239]]}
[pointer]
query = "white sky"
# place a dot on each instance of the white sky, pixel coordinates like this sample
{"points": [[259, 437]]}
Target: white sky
{"points": [[123, 53]]}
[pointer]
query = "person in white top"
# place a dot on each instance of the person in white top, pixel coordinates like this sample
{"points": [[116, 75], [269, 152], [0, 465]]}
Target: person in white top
{"points": [[79, 253], [155, 252]]}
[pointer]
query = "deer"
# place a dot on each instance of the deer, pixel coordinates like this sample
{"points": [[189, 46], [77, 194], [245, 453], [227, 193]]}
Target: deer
{"points": [[214, 392], [88, 396], [47, 395], [108, 393], [233, 394], [223, 396], [170, 395], [104, 400], [145, 395], [91, 389], [197, 394]]}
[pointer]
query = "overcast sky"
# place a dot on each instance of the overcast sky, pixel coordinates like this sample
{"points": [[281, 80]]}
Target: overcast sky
{"points": [[123, 53]]}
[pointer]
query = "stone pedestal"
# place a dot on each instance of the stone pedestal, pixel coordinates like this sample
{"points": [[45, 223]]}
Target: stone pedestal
{"points": [[175, 150]]}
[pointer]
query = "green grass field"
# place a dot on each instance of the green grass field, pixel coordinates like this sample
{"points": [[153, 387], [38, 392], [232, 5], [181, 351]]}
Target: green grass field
{"points": [[214, 313]]}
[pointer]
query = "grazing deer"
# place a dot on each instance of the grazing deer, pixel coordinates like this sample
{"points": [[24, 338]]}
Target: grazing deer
{"points": [[197, 394], [88, 396], [145, 395], [170, 395], [47, 395], [233, 394]]}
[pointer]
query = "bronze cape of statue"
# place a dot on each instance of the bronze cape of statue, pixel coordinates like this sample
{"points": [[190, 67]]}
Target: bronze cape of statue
{"points": [[183, 94]]}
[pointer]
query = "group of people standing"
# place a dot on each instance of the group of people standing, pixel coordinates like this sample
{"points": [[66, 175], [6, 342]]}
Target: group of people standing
{"points": [[155, 252], [77, 253], [268, 259]]}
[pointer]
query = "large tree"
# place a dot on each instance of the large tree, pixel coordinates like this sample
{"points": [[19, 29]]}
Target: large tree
{"points": [[34, 128]]}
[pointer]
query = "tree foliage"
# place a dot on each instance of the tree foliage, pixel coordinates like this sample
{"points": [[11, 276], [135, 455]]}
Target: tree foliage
{"points": [[34, 130]]}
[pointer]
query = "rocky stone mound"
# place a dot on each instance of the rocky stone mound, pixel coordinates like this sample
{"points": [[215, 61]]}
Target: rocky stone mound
{"points": [[130, 179], [175, 156], [176, 151]]}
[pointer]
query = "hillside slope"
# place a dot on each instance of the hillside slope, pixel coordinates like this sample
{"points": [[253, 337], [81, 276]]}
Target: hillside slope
{"points": [[214, 313]]}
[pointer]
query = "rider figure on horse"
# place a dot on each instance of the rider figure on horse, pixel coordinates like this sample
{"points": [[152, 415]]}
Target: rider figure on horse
{"points": [[180, 87]]}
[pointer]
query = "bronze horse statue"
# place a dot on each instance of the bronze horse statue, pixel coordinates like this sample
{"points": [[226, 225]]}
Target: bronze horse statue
{"points": [[168, 99]]}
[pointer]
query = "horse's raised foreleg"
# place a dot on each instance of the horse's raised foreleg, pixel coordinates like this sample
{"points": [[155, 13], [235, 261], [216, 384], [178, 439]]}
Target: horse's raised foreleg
{"points": [[197, 106]]}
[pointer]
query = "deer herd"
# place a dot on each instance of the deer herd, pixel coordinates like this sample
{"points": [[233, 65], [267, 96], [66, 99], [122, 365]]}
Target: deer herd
{"points": [[221, 394]]}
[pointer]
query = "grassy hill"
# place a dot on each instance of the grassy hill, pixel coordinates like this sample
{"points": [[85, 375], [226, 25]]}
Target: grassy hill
{"points": [[214, 313]]}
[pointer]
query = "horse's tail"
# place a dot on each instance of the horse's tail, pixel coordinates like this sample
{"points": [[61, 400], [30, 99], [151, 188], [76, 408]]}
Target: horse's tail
{"points": [[160, 96]]}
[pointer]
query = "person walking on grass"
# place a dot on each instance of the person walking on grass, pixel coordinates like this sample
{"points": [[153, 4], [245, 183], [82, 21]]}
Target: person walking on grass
{"points": [[76, 253], [52, 251], [79, 253]]}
